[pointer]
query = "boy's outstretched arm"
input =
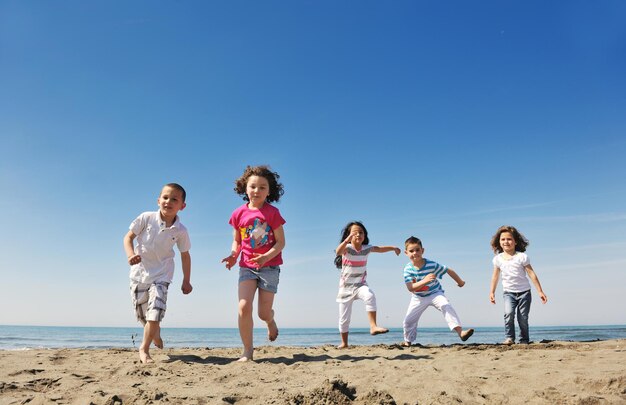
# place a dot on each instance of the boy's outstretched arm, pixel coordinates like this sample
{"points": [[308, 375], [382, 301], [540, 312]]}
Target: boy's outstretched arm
{"points": [[384, 249], [494, 284], [456, 277], [129, 248], [185, 258], [533, 277]]}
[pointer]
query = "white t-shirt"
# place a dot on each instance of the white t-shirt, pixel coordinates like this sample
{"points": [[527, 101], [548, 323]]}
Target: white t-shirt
{"points": [[155, 245], [514, 277]]}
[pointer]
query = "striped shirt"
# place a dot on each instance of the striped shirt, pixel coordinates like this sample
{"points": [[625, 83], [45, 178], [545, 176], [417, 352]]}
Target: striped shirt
{"points": [[353, 271], [411, 272]]}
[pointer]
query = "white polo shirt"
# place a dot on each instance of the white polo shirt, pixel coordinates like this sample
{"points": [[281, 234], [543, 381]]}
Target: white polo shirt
{"points": [[155, 245]]}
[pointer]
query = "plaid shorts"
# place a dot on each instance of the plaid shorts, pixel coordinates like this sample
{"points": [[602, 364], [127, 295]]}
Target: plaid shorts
{"points": [[149, 300]]}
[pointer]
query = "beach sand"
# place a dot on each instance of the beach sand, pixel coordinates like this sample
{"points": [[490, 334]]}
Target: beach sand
{"points": [[539, 373]]}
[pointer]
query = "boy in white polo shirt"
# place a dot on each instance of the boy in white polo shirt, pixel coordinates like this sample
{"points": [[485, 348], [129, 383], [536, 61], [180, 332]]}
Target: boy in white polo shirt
{"points": [[152, 262]]}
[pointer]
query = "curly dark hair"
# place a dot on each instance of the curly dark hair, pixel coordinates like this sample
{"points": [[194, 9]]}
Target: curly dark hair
{"points": [[276, 188], [520, 241], [344, 234]]}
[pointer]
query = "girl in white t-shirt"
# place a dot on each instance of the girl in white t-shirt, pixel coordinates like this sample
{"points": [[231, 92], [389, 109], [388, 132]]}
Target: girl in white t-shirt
{"points": [[510, 261]]}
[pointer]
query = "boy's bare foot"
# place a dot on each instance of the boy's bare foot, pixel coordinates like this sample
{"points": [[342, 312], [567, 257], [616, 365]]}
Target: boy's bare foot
{"points": [[405, 344], [466, 334], [247, 356], [272, 330], [342, 346], [158, 342], [145, 357], [378, 330]]}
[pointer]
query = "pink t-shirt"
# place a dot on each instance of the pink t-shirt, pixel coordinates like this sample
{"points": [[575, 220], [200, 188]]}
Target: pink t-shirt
{"points": [[256, 228]]}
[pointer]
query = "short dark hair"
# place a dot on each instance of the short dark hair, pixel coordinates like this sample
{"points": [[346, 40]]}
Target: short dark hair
{"points": [[178, 187], [412, 240]]}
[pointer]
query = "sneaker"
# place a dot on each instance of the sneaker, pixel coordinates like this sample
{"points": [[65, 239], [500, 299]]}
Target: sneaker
{"points": [[508, 342]]}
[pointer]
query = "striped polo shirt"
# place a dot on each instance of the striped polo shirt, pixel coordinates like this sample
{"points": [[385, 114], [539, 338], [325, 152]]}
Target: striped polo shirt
{"points": [[353, 271], [411, 272]]}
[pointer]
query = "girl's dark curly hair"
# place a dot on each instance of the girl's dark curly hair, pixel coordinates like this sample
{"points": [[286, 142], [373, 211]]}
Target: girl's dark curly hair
{"points": [[344, 234], [276, 188], [520, 241]]}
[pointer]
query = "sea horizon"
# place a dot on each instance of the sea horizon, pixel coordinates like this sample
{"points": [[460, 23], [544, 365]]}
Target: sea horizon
{"points": [[22, 337]]}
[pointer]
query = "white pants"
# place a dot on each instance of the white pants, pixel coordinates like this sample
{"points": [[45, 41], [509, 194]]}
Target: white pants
{"points": [[418, 305], [345, 308]]}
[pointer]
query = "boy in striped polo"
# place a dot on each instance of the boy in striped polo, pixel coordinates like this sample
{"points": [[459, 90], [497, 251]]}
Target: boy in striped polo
{"points": [[421, 277]]}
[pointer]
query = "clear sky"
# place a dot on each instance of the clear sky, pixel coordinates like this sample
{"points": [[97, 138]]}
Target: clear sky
{"points": [[439, 119]]}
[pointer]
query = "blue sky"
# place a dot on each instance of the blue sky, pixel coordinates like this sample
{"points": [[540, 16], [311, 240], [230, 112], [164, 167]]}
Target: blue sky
{"points": [[442, 120]]}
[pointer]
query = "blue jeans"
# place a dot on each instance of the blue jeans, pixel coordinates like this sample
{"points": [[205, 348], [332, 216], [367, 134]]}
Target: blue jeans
{"points": [[517, 303]]}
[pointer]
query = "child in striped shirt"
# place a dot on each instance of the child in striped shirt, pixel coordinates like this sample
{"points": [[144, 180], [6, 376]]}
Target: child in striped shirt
{"points": [[420, 276], [351, 258]]}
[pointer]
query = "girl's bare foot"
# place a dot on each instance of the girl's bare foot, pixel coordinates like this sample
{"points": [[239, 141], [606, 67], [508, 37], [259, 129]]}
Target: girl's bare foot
{"points": [[342, 346], [145, 357], [377, 330], [405, 344], [272, 330]]}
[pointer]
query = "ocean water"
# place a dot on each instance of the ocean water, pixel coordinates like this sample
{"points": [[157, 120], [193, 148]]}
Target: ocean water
{"points": [[31, 337]]}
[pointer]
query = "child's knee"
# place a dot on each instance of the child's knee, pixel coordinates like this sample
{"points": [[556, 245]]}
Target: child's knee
{"points": [[266, 315], [245, 307]]}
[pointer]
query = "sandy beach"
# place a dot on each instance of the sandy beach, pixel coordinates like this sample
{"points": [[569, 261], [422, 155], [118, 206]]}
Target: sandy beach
{"points": [[539, 373]]}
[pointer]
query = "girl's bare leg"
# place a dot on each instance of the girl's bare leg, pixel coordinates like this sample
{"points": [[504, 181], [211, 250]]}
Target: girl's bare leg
{"points": [[344, 340], [247, 289], [266, 313], [374, 328]]}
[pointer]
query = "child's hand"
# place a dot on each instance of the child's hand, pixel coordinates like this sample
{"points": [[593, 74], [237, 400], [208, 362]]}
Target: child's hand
{"points": [[230, 261], [397, 250], [186, 287], [492, 298], [430, 277], [259, 259], [461, 283], [134, 260]]}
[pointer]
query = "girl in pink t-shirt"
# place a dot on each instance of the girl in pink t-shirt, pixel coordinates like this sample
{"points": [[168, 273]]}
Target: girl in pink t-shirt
{"points": [[258, 235]]}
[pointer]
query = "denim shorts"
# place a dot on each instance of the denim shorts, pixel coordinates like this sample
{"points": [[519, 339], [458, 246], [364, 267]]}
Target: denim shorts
{"points": [[267, 277]]}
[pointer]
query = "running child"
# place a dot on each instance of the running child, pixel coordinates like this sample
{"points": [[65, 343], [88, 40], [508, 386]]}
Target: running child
{"points": [[152, 262], [420, 277], [259, 237], [351, 258], [509, 246]]}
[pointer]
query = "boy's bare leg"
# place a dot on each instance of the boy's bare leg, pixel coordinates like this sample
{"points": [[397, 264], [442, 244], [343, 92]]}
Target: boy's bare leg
{"points": [[149, 330], [344, 340], [247, 289], [158, 342], [266, 313], [374, 328], [464, 334]]}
